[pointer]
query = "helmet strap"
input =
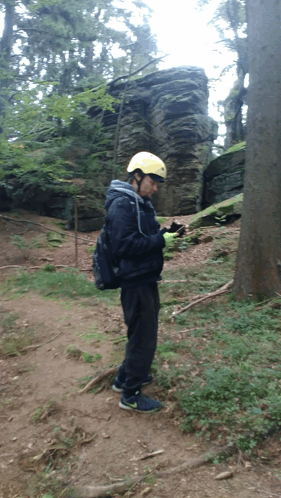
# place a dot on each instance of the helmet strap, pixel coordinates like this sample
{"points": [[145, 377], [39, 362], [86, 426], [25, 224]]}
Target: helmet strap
{"points": [[142, 175]]}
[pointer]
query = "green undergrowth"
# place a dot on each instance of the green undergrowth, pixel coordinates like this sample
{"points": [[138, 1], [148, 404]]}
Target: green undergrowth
{"points": [[220, 359], [52, 284]]}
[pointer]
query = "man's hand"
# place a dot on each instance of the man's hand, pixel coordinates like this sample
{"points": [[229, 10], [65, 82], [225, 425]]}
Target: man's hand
{"points": [[170, 236], [176, 228]]}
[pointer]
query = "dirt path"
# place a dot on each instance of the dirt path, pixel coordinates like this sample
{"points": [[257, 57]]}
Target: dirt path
{"points": [[105, 443], [88, 439]]}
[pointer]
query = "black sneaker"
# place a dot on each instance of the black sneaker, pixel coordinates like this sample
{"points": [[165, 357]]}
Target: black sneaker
{"points": [[118, 386], [140, 403]]}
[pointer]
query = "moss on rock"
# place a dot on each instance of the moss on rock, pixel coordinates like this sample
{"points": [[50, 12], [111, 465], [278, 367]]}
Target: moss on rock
{"points": [[209, 216]]}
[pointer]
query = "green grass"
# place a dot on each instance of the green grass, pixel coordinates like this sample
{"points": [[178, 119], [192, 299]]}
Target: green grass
{"points": [[23, 245], [69, 284], [90, 249]]}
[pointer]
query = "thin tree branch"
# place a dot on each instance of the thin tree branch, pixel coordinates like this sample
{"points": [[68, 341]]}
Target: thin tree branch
{"points": [[41, 31], [222, 290], [125, 76]]}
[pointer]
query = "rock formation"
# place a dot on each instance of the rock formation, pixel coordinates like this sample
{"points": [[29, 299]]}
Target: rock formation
{"points": [[224, 176], [166, 113]]}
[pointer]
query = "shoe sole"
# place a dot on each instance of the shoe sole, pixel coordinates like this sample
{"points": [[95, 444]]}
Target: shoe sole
{"points": [[120, 389], [127, 407]]}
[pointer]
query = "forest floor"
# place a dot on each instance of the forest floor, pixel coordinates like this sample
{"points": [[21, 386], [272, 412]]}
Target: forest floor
{"points": [[57, 334]]}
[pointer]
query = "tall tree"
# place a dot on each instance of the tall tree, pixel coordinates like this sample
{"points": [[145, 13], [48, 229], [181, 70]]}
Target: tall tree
{"points": [[258, 270], [230, 22], [70, 43]]}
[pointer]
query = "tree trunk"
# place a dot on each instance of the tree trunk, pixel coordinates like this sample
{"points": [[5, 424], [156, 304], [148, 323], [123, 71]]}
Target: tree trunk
{"points": [[7, 38], [6, 43], [258, 267]]}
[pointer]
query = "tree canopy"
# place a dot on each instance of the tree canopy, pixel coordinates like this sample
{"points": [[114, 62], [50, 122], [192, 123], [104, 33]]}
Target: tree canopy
{"points": [[56, 58]]}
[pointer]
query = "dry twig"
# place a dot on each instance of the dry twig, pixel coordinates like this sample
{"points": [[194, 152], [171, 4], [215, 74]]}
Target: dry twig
{"points": [[98, 379], [121, 487], [148, 455], [43, 344], [225, 288]]}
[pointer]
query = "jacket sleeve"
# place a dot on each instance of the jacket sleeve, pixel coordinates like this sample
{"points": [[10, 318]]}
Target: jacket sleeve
{"points": [[125, 239]]}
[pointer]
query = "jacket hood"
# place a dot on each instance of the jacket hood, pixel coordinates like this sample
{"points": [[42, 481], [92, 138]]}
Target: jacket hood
{"points": [[120, 189]]}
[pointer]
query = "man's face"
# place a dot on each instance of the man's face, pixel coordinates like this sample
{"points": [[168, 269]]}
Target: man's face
{"points": [[148, 186]]}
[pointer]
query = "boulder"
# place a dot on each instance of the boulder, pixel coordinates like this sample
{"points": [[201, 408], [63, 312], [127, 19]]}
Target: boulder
{"points": [[224, 176]]}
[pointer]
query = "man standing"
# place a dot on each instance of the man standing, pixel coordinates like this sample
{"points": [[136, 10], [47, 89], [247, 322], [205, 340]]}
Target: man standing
{"points": [[136, 244]]}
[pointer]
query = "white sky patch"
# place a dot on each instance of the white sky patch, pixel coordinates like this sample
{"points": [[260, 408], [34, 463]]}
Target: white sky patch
{"points": [[183, 32]]}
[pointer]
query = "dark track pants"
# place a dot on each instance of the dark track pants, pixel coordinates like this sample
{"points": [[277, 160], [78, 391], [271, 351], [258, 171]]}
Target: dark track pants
{"points": [[141, 308]]}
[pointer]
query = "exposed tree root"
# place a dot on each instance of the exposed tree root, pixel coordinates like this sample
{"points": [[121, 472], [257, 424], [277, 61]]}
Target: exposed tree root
{"points": [[98, 379], [122, 487], [222, 290]]}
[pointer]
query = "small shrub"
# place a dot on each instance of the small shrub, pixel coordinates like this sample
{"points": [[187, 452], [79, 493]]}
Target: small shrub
{"points": [[55, 239], [91, 249]]}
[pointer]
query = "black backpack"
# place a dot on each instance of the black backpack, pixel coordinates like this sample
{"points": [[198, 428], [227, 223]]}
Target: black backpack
{"points": [[104, 270]]}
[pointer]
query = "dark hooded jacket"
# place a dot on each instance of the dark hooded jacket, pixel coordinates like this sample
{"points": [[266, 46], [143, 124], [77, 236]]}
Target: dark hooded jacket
{"points": [[135, 239]]}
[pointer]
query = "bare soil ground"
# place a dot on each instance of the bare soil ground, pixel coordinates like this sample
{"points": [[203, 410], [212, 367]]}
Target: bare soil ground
{"points": [[88, 439]]}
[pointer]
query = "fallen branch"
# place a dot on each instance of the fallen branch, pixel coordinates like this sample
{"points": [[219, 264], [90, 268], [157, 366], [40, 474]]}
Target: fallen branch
{"points": [[122, 487], [40, 225], [149, 455], [41, 267], [225, 288], [98, 379]]}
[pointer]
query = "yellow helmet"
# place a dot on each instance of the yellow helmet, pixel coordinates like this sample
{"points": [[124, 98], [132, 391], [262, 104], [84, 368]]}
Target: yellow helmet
{"points": [[149, 164]]}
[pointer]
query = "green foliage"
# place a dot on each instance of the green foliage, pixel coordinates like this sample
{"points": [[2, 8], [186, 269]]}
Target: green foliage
{"points": [[47, 136], [23, 245], [49, 268], [91, 249]]}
